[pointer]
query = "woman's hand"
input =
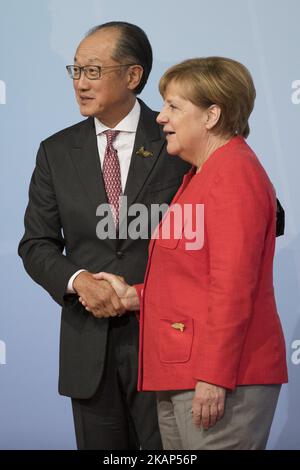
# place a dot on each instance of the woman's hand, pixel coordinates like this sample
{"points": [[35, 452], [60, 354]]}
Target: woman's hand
{"points": [[127, 294], [117, 282], [208, 404]]}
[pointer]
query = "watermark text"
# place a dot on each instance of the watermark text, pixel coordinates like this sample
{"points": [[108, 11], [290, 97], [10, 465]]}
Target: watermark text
{"points": [[296, 93], [2, 353], [2, 92], [139, 221], [295, 357]]}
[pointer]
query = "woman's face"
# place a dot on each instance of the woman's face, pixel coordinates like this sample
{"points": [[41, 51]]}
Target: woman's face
{"points": [[184, 124]]}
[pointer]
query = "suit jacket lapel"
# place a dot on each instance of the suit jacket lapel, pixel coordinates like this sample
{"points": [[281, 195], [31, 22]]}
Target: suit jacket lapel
{"points": [[86, 160], [148, 136]]}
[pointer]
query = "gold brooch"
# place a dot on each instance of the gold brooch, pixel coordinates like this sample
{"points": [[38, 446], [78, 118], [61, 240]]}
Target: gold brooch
{"points": [[144, 153], [178, 326]]}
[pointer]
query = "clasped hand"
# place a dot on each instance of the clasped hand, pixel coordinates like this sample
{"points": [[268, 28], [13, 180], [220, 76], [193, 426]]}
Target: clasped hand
{"points": [[105, 295]]}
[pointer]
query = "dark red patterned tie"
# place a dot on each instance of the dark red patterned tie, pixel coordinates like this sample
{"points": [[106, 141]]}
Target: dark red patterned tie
{"points": [[112, 174]]}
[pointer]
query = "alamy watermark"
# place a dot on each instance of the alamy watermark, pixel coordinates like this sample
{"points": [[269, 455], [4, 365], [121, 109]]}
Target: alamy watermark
{"points": [[2, 353], [2, 92], [296, 93], [295, 357], [180, 221]]}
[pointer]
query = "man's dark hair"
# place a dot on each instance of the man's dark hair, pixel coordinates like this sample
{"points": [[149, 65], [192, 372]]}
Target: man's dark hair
{"points": [[132, 46]]}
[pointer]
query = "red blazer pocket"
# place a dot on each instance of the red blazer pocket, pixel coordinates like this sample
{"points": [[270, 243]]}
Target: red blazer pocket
{"points": [[175, 339]]}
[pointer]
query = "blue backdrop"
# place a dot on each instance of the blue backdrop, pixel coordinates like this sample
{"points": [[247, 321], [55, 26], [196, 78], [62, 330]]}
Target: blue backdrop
{"points": [[37, 39]]}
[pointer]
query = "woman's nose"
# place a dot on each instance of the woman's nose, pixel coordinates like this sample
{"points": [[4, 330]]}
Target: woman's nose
{"points": [[161, 118]]}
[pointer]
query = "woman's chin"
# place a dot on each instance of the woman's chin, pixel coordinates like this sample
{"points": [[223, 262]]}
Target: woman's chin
{"points": [[171, 150]]}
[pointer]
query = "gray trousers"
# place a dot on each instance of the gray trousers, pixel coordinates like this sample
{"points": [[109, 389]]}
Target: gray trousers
{"points": [[246, 423]]}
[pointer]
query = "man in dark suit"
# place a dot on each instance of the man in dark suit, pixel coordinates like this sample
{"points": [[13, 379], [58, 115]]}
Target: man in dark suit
{"points": [[60, 248]]}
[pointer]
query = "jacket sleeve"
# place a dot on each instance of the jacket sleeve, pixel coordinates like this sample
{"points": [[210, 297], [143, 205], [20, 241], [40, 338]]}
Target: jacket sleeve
{"points": [[237, 217], [42, 245]]}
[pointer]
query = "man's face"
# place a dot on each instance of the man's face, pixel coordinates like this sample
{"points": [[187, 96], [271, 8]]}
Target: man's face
{"points": [[108, 98]]}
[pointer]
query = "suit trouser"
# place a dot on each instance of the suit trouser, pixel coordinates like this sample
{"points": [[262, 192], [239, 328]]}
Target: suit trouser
{"points": [[246, 423], [117, 416]]}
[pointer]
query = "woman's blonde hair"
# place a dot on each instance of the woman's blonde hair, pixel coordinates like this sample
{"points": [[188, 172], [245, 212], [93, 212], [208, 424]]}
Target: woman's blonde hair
{"points": [[220, 81]]}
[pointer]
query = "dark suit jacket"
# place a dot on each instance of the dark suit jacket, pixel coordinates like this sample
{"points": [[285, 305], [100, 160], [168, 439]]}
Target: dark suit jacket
{"points": [[60, 233]]}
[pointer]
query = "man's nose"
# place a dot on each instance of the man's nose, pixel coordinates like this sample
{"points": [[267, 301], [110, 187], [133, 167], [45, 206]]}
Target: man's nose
{"points": [[83, 82]]}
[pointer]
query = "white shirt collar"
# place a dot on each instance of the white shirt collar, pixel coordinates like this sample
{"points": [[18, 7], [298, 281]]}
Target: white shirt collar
{"points": [[128, 124]]}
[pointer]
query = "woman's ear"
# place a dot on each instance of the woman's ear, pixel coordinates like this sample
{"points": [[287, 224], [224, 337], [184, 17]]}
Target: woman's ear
{"points": [[213, 116], [134, 75]]}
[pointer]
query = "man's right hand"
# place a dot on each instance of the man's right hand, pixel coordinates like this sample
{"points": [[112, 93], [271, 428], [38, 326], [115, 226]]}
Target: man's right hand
{"points": [[99, 295], [126, 293]]}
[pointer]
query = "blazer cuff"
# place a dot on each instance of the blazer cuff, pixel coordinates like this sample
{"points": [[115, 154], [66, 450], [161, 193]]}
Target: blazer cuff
{"points": [[139, 289]]}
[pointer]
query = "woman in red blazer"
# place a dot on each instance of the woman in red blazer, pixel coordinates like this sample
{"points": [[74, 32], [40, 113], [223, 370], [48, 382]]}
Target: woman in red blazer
{"points": [[211, 342]]}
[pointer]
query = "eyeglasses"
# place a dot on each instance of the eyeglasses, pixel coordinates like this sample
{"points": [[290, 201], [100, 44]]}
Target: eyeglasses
{"points": [[92, 72]]}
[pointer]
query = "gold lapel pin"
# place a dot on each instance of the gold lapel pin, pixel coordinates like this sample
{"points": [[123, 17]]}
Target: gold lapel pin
{"points": [[178, 326], [144, 153]]}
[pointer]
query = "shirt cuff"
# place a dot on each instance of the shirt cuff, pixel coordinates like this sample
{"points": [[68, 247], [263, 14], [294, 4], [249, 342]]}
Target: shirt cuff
{"points": [[70, 289]]}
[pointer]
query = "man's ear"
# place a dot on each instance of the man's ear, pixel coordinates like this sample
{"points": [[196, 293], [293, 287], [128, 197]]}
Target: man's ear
{"points": [[213, 116], [134, 75]]}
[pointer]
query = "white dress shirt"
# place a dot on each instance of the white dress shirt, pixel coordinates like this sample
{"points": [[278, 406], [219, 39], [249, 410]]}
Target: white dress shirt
{"points": [[123, 143]]}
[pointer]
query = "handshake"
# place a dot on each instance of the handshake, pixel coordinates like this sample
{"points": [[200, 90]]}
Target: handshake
{"points": [[105, 295]]}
